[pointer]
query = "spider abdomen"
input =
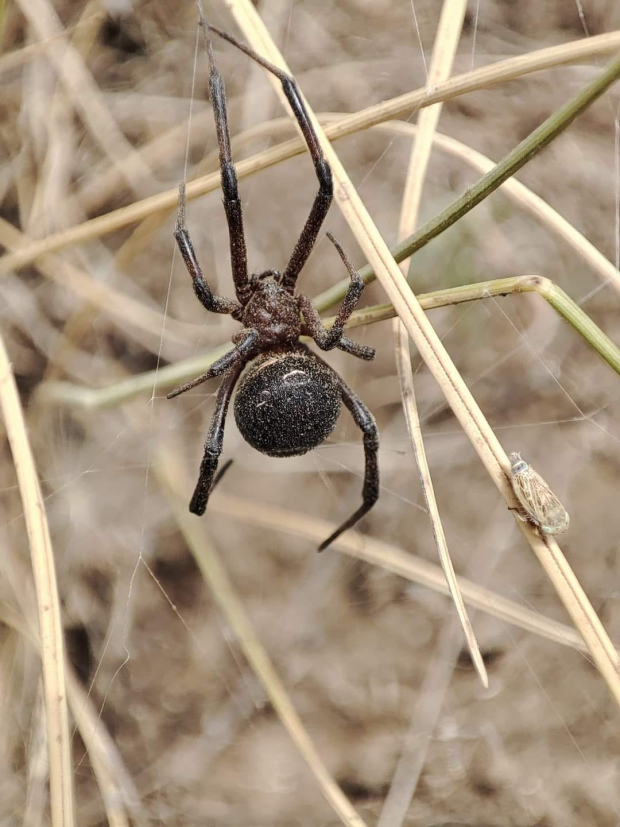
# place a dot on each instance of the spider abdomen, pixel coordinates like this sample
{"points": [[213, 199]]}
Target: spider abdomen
{"points": [[287, 403]]}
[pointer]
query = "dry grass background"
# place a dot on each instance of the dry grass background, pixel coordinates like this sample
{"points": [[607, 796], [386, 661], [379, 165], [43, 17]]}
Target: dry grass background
{"points": [[357, 647]]}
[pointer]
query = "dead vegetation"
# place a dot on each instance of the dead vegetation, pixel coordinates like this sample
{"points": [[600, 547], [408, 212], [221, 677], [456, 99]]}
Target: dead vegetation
{"points": [[187, 734]]}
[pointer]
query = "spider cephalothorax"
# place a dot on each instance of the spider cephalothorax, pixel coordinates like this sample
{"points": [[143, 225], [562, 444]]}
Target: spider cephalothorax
{"points": [[289, 399]]}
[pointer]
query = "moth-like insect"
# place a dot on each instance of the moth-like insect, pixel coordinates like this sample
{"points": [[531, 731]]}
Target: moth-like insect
{"points": [[538, 501]]}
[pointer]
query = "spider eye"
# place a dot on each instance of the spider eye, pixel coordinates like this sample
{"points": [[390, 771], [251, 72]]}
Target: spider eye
{"points": [[276, 275]]}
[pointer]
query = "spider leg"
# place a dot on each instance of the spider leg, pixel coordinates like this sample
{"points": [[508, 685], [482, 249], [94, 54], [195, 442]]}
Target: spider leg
{"points": [[323, 198], [355, 349], [230, 191], [327, 339], [216, 304], [214, 442], [365, 421], [244, 341]]}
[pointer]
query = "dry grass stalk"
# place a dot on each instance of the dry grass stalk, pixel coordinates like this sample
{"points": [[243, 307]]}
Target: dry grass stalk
{"points": [[155, 381], [444, 50], [38, 765], [424, 718], [171, 479], [523, 196], [576, 642], [513, 189], [134, 314], [585, 618], [120, 797], [437, 679], [403, 364], [19, 57], [96, 191], [441, 366], [50, 626], [398, 562], [83, 90], [102, 186], [517, 192], [458, 85], [128, 309], [117, 789]]}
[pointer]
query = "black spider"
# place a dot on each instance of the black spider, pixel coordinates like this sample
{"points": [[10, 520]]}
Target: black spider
{"points": [[289, 400]]}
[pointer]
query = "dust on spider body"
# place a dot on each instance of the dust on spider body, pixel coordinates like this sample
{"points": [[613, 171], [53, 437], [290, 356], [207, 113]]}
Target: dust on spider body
{"points": [[540, 504], [272, 312], [287, 404], [288, 399]]}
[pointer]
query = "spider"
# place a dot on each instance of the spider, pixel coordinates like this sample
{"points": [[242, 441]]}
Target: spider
{"points": [[289, 399]]}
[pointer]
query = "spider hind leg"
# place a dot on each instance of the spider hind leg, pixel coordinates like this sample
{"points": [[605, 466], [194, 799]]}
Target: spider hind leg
{"points": [[365, 421]]}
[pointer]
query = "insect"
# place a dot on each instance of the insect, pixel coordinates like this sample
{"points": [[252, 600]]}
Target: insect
{"points": [[289, 399], [539, 502]]}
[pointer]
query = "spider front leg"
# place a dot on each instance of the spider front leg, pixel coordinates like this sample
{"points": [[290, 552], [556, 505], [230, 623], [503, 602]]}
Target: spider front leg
{"points": [[216, 304], [323, 198], [329, 339], [230, 189], [365, 421], [214, 442]]}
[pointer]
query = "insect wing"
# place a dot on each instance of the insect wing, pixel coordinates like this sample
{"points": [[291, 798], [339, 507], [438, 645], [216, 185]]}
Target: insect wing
{"points": [[539, 501]]}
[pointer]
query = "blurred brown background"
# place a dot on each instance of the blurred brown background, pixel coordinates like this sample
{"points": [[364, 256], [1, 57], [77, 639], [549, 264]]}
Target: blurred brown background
{"points": [[354, 644]]}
